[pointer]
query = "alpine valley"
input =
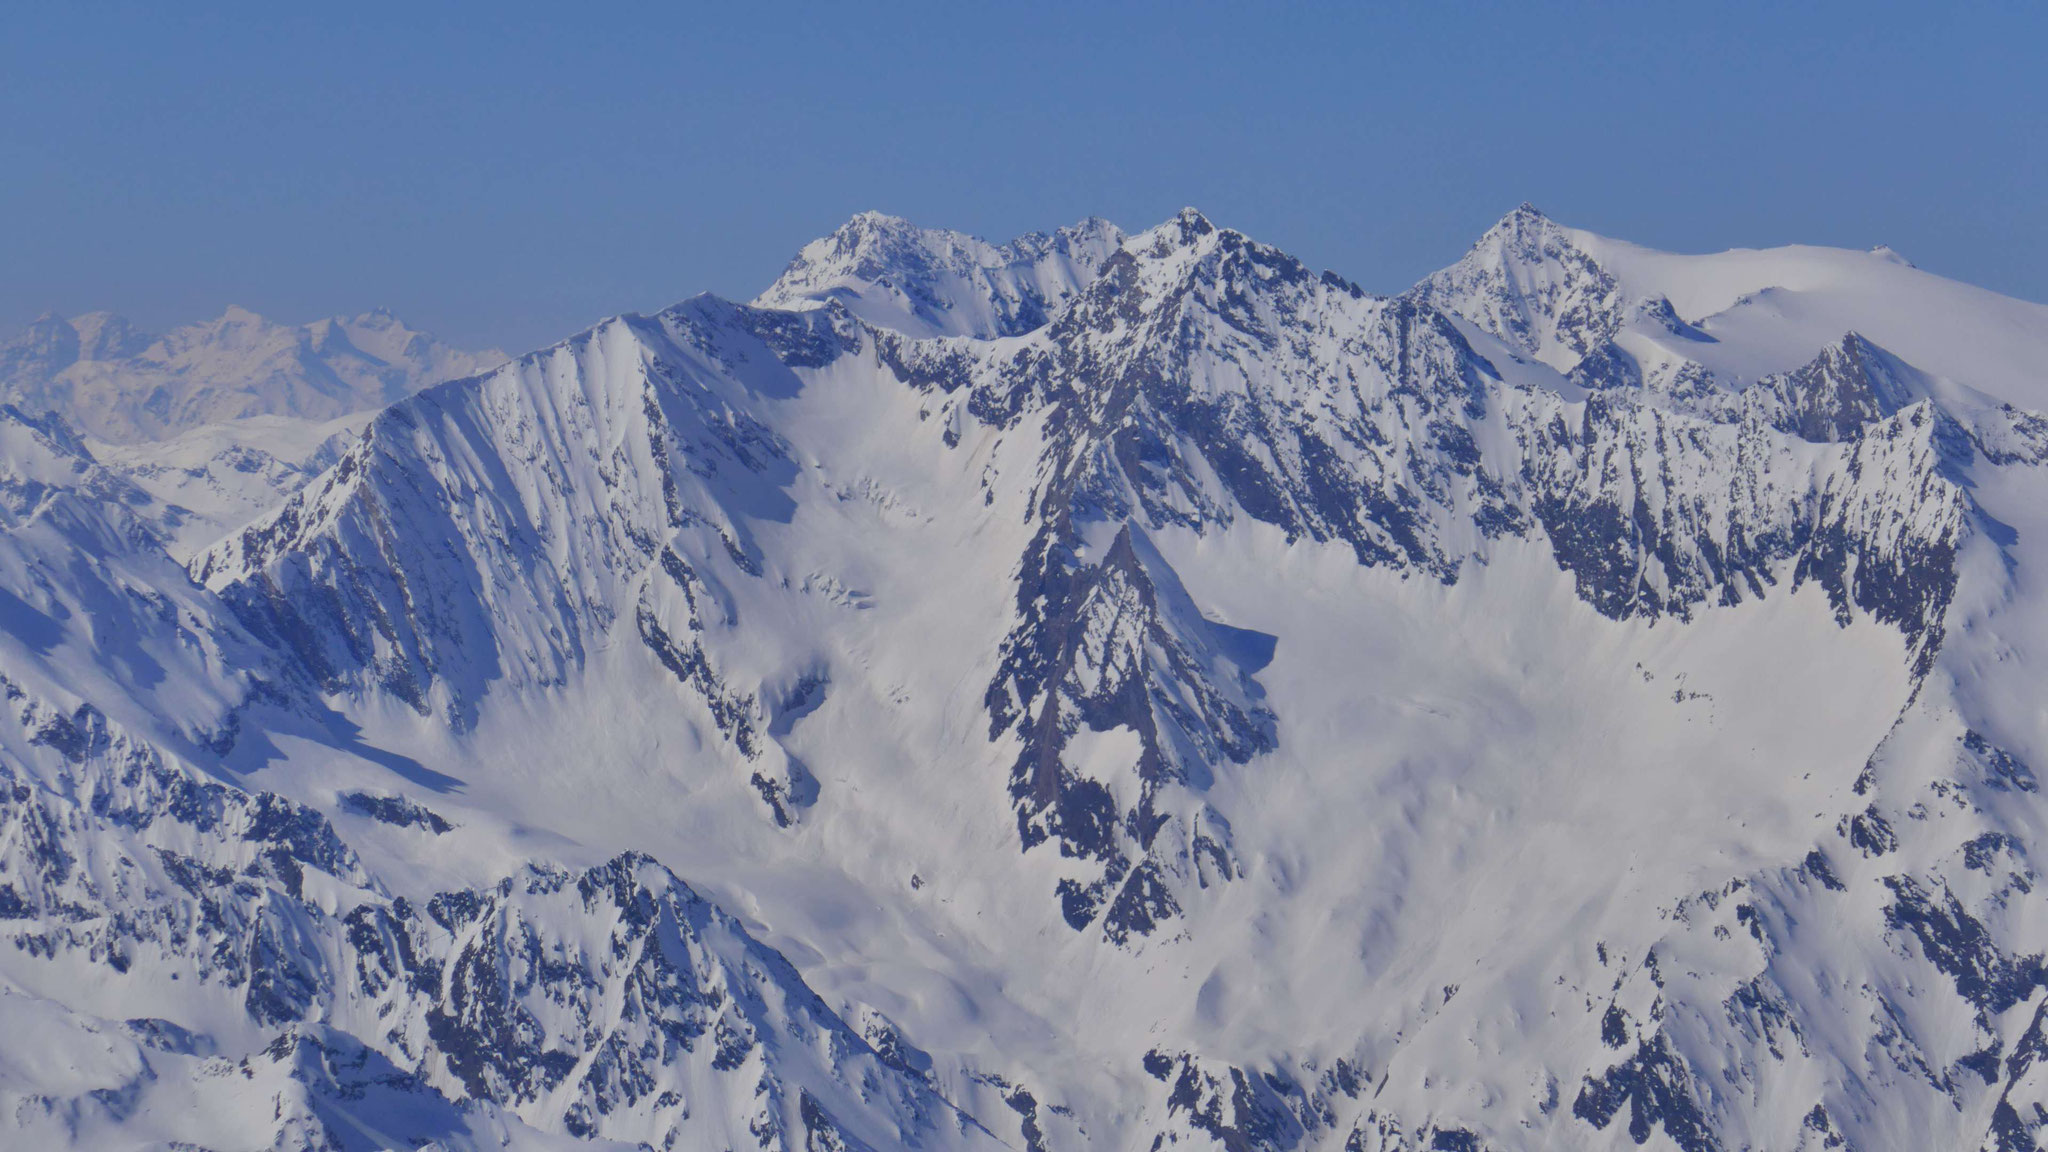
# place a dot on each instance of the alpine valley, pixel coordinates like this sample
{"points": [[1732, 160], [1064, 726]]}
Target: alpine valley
{"points": [[1095, 692]]}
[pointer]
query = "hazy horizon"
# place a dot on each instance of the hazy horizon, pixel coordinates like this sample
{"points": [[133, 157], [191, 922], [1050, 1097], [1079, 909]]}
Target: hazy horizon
{"points": [[507, 178]]}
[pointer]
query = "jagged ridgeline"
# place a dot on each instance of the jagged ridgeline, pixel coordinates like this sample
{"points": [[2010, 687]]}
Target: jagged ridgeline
{"points": [[1104, 691]]}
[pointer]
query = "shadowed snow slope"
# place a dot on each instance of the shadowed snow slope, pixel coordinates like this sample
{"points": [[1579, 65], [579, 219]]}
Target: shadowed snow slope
{"points": [[1090, 692]]}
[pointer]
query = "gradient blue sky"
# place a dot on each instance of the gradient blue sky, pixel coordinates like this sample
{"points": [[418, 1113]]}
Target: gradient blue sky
{"points": [[506, 173]]}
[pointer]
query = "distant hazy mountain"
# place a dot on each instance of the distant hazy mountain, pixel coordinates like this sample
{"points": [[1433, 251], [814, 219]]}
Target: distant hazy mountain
{"points": [[122, 385], [1092, 692]]}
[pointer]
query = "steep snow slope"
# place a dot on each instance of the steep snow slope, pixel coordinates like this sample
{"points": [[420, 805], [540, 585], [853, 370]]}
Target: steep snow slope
{"points": [[122, 385], [217, 966], [1154, 695]]}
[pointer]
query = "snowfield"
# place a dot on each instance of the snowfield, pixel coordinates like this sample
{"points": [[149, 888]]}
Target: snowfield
{"points": [[1099, 691]]}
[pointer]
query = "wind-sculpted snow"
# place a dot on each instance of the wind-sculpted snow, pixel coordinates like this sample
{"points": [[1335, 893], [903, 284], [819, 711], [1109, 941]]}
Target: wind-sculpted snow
{"points": [[1157, 696], [492, 535], [250, 913]]}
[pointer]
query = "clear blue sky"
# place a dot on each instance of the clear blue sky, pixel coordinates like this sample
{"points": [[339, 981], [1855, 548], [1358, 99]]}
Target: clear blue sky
{"points": [[507, 173]]}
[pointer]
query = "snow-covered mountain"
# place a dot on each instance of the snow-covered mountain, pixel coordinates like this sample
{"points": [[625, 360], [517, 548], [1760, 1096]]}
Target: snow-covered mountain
{"points": [[1099, 691], [122, 385], [931, 282], [213, 479]]}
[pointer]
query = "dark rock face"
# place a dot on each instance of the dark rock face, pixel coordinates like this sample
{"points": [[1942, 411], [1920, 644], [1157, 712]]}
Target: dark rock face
{"points": [[395, 810], [1109, 647], [1657, 1088], [1113, 642], [1847, 388], [1327, 417], [1241, 1111], [1961, 948], [1634, 503], [511, 992], [141, 859], [1653, 510]]}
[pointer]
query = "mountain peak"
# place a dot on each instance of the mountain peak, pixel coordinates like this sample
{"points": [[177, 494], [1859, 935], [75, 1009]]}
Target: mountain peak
{"points": [[936, 282], [1185, 230], [1849, 385], [1525, 227], [1192, 223], [874, 219], [1528, 282], [236, 314], [868, 231]]}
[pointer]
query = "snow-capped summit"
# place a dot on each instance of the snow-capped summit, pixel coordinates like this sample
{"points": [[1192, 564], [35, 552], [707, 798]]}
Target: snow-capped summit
{"points": [[123, 385], [933, 282], [1190, 223], [1603, 308], [1528, 282]]}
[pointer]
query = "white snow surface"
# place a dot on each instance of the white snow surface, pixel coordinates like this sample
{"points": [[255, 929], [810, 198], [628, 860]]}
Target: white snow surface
{"points": [[1091, 692]]}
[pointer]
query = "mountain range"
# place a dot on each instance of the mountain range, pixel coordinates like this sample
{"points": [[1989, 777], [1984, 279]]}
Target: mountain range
{"points": [[122, 385], [1100, 691]]}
